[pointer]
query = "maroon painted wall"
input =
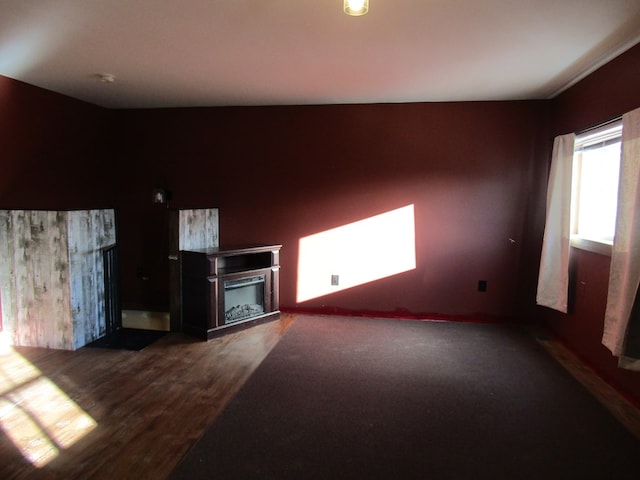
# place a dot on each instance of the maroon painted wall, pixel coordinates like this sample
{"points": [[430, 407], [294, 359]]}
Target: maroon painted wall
{"points": [[55, 152], [607, 93], [476, 173], [281, 173]]}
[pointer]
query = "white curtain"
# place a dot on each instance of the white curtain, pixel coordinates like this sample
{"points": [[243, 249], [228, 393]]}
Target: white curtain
{"points": [[553, 279], [624, 276]]}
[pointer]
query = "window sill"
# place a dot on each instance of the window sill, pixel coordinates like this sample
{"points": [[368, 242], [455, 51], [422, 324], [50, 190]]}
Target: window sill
{"points": [[589, 245]]}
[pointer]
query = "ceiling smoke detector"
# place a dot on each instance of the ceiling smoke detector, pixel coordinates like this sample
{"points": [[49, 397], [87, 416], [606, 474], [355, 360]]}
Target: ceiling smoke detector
{"points": [[106, 77]]}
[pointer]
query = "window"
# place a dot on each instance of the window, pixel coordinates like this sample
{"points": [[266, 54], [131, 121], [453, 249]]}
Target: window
{"points": [[594, 192]]}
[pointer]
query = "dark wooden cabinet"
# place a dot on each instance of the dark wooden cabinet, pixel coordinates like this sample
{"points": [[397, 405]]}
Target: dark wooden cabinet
{"points": [[228, 288]]}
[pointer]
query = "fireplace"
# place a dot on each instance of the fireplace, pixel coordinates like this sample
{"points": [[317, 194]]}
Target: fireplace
{"points": [[244, 298], [228, 287]]}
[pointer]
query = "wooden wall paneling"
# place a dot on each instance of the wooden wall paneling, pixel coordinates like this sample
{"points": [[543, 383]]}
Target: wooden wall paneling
{"points": [[80, 279], [90, 231], [35, 290], [52, 299], [42, 292], [18, 239], [198, 228], [51, 276], [7, 278]]}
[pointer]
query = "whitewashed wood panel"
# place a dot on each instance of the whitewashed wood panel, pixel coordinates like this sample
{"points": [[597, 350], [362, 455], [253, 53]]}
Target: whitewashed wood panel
{"points": [[7, 269], [51, 276], [198, 228], [90, 231]]}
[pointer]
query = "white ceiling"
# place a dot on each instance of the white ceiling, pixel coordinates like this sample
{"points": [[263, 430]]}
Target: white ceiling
{"points": [[170, 53]]}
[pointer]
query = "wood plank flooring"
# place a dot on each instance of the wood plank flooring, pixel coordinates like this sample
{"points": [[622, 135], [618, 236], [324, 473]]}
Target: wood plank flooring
{"points": [[114, 414], [620, 407]]}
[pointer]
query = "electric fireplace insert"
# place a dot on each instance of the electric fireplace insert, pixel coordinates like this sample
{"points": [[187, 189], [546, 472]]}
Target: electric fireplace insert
{"points": [[244, 298]]}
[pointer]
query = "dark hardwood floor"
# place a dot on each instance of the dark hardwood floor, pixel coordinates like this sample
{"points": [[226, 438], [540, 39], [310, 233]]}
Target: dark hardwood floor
{"points": [[620, 407], [115, 414]]}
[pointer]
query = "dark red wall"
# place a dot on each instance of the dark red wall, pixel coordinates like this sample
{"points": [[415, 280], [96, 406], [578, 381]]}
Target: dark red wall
{"points": [[55, 152], [281, 173], [476, 173], [607, 93]]}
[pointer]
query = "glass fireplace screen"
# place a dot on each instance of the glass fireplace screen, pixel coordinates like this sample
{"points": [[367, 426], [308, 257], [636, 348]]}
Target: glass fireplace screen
{"points": [[244, 298]]}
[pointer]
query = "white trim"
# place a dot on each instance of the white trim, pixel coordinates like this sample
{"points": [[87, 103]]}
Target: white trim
{"points": [[608, 54], [605, 133], [590, 245]]}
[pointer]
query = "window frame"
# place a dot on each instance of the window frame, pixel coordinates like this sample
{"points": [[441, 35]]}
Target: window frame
{"points": [[597, 137]]}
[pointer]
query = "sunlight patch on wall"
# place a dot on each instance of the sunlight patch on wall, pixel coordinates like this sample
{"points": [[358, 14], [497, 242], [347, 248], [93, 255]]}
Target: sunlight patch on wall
{"points": [[357, 253], [38, 417]]}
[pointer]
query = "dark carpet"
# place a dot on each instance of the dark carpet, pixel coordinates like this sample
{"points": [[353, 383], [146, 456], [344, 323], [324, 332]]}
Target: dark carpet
{"points": [[128, 339], [390, 399]]}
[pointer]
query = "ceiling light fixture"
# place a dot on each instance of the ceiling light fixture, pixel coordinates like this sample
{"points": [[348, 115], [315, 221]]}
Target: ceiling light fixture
{"points": [[356, 8]]}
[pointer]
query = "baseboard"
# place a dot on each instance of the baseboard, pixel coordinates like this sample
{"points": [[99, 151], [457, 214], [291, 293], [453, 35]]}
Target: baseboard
{"points": [[400, 314]]}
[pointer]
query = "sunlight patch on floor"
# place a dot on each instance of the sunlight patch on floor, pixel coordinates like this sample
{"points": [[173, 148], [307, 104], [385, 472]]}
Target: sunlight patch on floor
{"points": [[35, 414]]}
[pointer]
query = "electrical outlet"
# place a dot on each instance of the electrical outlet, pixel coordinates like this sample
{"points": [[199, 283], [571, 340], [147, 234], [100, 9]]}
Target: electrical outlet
{"points": [[335, 279], [482, 285]]}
